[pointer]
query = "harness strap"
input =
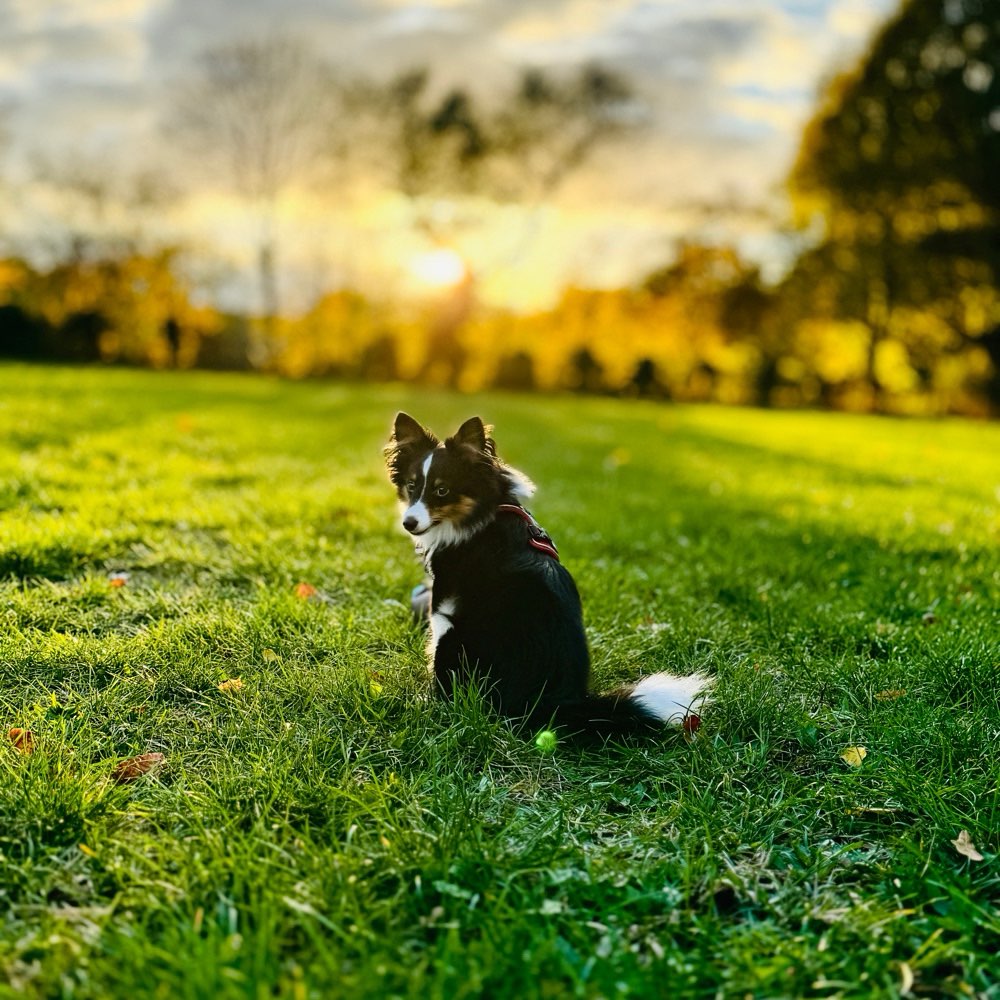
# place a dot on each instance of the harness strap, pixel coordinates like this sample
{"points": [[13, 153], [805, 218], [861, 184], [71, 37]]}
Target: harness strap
{"points": [[538, 537]]}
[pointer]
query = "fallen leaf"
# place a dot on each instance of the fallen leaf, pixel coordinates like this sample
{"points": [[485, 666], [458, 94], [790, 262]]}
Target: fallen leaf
{"points": [[964, 845], [304, 590], [853, 756], [690, 724], [136, 767], [890, 695], [905, 979], [117, 579], [617, 458], [231, 686], [22, 739], [269, 656]]}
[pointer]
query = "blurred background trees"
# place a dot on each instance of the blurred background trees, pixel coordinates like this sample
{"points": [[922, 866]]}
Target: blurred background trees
{"points": [[891, 302], [448, 152], [899, 172]]}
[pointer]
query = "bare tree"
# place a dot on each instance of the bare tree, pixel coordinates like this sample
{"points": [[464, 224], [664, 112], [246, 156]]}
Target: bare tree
{"points": [[258, 114], [102, 211]]}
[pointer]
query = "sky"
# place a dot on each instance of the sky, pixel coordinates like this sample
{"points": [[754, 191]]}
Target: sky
{"points": [[726, 84]]}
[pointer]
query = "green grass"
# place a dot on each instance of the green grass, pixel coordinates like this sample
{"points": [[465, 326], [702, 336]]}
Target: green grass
{"points": [[329, 831]]}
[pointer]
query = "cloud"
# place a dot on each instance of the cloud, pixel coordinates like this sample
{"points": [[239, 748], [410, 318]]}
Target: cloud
{"points": [[854, 20], [728, 83]]}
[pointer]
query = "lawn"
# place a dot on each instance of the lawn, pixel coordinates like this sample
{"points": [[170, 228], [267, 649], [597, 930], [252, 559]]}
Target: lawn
{"points": [[323, 829]]}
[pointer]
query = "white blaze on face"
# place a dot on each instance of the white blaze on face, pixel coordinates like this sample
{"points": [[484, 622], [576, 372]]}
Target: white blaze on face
{"points": [[421, 514], [418, 509]]}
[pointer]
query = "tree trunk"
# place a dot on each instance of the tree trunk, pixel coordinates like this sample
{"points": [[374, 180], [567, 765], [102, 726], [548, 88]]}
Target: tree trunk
{"points": [[265, 345]]}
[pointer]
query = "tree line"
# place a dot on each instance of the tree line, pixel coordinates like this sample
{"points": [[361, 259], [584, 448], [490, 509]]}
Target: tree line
{"points": [[891, 304]]}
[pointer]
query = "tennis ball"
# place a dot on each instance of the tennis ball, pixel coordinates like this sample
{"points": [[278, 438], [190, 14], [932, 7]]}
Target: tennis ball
{"points": [[546, 741]]}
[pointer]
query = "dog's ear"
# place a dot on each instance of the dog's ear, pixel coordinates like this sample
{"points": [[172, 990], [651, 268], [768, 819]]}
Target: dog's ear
{"points": [[406, 430], [409, 440], [476, 435]]}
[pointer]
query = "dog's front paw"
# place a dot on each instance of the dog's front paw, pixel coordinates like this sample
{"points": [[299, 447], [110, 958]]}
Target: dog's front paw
{"points": [[420, 602]]}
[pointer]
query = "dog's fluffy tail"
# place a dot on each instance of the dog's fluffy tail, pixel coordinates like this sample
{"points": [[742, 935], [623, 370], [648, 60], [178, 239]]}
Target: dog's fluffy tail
{"points": [[655, 702]]}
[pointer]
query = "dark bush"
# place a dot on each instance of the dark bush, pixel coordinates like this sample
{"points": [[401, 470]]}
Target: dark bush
{"points": [[515, 371], [21, 334]]}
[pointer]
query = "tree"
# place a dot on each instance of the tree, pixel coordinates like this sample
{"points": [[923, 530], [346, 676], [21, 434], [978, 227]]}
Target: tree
{"points": [[712, 308], [259, 114], [449, 154], [101, 210], [519, 147], [900, 164], [550, 126]]}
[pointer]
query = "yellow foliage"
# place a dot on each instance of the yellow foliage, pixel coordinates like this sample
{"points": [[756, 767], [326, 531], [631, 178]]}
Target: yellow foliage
{"points": [[837, 350], [892, 367], [134, 296]]}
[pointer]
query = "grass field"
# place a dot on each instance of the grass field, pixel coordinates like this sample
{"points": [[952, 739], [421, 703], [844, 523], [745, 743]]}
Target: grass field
{"points": [[324, 830]]}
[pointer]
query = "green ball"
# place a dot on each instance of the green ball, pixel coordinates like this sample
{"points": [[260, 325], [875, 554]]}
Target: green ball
{"points": [[546, 741]]}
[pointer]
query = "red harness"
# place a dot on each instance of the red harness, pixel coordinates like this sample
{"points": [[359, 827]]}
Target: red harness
{"points": [[537, 536]]}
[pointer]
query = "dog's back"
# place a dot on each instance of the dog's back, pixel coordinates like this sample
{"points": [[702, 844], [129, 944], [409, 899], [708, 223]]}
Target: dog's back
{"points": [[515, 621]]}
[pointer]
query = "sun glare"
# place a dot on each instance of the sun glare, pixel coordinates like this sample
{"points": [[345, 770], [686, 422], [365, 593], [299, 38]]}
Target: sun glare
{"points": [[438, 268]]}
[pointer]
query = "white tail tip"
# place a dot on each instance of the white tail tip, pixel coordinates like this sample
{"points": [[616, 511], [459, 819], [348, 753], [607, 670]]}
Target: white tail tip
{"points": [[670, 698]]}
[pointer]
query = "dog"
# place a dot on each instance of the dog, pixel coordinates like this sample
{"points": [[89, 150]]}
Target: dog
{"points": [[504, 611]]}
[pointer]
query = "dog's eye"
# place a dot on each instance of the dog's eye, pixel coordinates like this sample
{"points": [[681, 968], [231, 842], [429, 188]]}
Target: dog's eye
{"points": [[442, 491]]}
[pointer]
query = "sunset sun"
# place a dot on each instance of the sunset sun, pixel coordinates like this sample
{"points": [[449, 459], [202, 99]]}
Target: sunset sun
{"points": [[438, 268]]}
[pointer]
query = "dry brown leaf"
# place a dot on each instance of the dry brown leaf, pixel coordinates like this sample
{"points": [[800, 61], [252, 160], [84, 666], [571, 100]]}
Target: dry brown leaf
{"points": [[22, 739], [853, 755], [231, 686], [304, 591], [136, 767], [890, 695], [964, 845], [690, 726]]}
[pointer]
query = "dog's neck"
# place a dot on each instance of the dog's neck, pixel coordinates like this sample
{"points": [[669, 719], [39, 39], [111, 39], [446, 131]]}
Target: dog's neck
{"points": [[469, 545]]}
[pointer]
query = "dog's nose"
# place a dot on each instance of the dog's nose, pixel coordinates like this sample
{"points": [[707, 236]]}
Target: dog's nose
{"points": [[409, 523]]}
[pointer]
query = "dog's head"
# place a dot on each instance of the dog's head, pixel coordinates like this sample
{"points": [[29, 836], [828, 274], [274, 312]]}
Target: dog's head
{"points": [[449, 490]]}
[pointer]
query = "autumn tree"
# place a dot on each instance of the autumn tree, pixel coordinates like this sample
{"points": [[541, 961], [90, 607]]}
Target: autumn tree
{"points": [[710, 304], [104, 281], [900, 168]]}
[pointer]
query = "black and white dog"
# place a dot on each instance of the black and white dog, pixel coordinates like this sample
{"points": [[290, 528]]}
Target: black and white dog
{"points": [[504, 611]]}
